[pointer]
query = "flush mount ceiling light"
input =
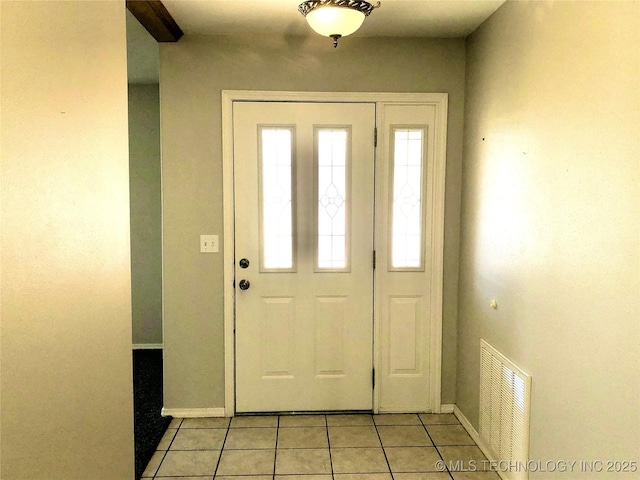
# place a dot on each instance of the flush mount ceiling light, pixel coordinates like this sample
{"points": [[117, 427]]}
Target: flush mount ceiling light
{"points": [[336, 18]]}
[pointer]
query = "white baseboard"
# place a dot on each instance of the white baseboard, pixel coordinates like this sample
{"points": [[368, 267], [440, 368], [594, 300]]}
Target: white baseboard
{"points": [[148, 346], [193, 412], [447, 407], [476, 438]]}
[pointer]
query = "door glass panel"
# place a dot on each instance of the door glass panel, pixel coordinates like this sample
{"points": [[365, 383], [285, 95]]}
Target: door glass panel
{"points": [[407, 209], [332, 198], [277, 198]]}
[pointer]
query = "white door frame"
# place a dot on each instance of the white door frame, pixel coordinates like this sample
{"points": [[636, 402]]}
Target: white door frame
{"points": [[439, 101]]}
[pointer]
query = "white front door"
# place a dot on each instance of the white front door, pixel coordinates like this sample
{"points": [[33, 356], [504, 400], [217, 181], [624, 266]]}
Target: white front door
{"points": [[304, 195]]}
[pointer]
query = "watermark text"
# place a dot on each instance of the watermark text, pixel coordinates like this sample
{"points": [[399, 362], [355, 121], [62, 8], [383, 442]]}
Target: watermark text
{"points": [[560, 466]]}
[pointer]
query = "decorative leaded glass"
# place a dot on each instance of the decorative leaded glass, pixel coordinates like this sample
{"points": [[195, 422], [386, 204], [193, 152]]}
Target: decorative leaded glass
{"points": [[277, 197], [406, 232], [332, 198]]}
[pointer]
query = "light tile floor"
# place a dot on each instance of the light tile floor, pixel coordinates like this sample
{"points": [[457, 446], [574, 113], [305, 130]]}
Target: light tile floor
{"points": [[319, 447]]}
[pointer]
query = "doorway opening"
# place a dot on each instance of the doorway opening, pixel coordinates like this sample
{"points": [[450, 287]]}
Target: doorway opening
{"points": [[323, 311]]}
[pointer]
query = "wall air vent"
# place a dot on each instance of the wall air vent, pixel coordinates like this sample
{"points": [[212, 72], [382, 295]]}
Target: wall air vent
{"points": [[505, 403]]}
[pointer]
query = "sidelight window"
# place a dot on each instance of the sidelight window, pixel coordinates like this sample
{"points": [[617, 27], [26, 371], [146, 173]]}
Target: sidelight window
{"points": [[407, 203]]}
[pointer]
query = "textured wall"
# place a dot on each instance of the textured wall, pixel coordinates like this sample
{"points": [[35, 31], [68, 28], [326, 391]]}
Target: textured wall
{"points": [[65, 281], [551, 217], [193, 72], [146, 213]]}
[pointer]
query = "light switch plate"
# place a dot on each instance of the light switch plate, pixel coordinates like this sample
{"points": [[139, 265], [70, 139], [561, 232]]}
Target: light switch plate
{"points": [[209, 244]]}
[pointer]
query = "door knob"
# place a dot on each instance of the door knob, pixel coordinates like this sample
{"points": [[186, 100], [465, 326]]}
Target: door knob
{"points": [[244, 284], [244, 263]]}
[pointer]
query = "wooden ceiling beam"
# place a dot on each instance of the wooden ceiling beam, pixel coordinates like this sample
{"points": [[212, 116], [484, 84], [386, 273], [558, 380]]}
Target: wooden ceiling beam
{"points": [[155, 17]]}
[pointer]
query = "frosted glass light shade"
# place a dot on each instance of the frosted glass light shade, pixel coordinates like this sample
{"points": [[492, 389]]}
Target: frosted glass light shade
{"points": [[333, 20]]}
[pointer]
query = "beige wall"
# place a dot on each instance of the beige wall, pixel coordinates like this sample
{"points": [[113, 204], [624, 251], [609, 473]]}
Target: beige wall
{"points": [[193, 72], [65, 284], [551, 217], [146, 221]]}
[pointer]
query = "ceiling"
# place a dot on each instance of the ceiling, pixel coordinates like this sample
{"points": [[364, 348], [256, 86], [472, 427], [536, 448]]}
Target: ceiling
{"points": [[394, 18]]}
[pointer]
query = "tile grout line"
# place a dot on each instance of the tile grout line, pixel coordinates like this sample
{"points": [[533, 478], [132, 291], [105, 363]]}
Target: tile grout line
{"points": [[166, 451], [275, 451], [159, 465], [384, 451], [436, 447], [224, 441], [326, 427]]}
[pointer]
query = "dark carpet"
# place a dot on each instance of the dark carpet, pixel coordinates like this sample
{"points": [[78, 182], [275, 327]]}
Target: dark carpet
{"points": [[148, 424]]}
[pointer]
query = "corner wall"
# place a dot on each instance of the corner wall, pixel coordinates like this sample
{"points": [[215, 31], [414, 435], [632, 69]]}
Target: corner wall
{"points": [[193, 72], [551, 221], [65, 290], [146, 213]]}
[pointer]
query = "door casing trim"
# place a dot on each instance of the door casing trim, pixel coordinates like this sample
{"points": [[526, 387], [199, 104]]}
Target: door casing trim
{"points": [[440, 102]]}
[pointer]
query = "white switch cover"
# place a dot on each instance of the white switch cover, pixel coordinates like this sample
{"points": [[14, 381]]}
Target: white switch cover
{"points": [[209, 244]]}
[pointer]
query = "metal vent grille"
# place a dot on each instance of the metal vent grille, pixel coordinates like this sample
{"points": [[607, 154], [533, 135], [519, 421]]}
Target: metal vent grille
{"points": [[505, 403]]}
